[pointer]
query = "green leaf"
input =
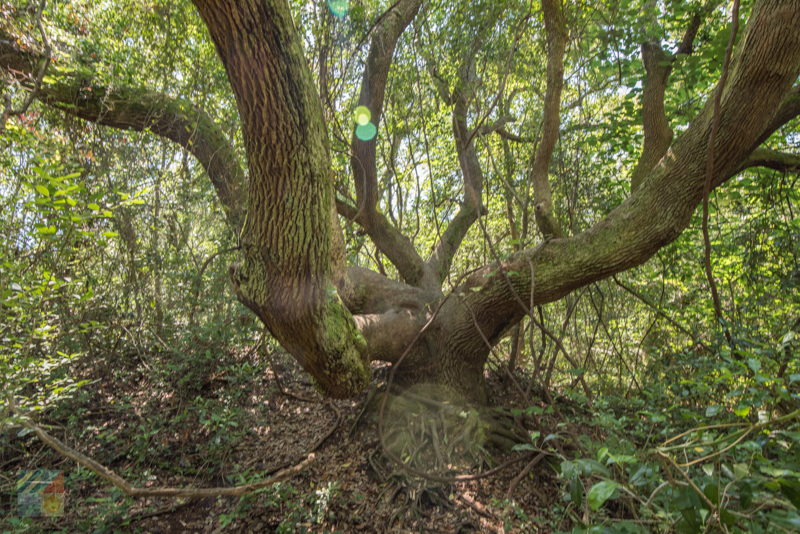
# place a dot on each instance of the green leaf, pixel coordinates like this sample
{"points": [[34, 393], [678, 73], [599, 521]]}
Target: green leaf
{"points": [[600, 493], [576, 490], [642, 475], [791, 490], [42, 190], [592, 467], [727, 518], [741, 470], [93, 207], [712, 492], [46, 230]]}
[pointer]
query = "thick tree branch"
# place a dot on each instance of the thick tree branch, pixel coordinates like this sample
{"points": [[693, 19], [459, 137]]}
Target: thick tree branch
{"points": [[557, 35], [657, 133], [139, 109], [661, 208], [505, 134], [772, 159], [388, 313], [497, 126], [658, 67], [788, 110], [387, 238]]}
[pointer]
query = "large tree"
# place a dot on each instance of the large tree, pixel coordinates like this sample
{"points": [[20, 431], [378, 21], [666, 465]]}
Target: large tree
{"points": [[283, 205]]}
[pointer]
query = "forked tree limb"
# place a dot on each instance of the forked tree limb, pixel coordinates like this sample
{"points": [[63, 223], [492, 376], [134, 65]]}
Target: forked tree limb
{"points": [[658, 67], [471, 207], [363, 162], [471, 204]]}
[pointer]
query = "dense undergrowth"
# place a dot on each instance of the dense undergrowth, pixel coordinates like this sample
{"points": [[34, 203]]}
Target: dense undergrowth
{"points": [[692, 432]]}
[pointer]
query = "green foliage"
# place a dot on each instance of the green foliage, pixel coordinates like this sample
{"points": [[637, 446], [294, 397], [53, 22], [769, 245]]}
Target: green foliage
{"points": [[722, 453]]}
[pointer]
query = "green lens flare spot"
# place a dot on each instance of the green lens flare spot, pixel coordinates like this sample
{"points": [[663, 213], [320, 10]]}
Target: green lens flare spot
{"points": [[366, 132], [362, 115], [338, 7]]}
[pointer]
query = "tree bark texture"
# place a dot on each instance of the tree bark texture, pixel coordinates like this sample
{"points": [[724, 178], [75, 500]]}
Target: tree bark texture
{"points": [[292, 266]]}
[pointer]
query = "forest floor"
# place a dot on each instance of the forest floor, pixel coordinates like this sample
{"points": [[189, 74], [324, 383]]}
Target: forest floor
{"points": [[217, 428]]}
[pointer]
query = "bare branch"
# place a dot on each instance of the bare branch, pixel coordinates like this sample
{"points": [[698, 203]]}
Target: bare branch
{"points": [[658, 67], [471, 204], [505, 134], [192, 493], [557, 36], [387, 238], [773, 159], [471, 207], [657, 133], [496, 126]]}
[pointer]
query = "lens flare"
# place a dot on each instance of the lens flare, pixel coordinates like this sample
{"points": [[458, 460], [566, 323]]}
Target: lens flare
{"points": [[366, 132], [362, 115], [338, 7]]}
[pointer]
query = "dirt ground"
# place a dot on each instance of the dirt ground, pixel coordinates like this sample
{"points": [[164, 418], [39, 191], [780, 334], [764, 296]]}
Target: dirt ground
{"points": [[352, 486]]}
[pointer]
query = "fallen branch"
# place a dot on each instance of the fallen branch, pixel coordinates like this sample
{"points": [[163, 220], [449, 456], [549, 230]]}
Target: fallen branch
{"points": [[192, 493], [525, 471]]}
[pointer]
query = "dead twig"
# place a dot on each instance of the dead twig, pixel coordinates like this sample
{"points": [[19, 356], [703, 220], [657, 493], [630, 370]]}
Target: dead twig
{"points": [[710, 171], [522, 474]]}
